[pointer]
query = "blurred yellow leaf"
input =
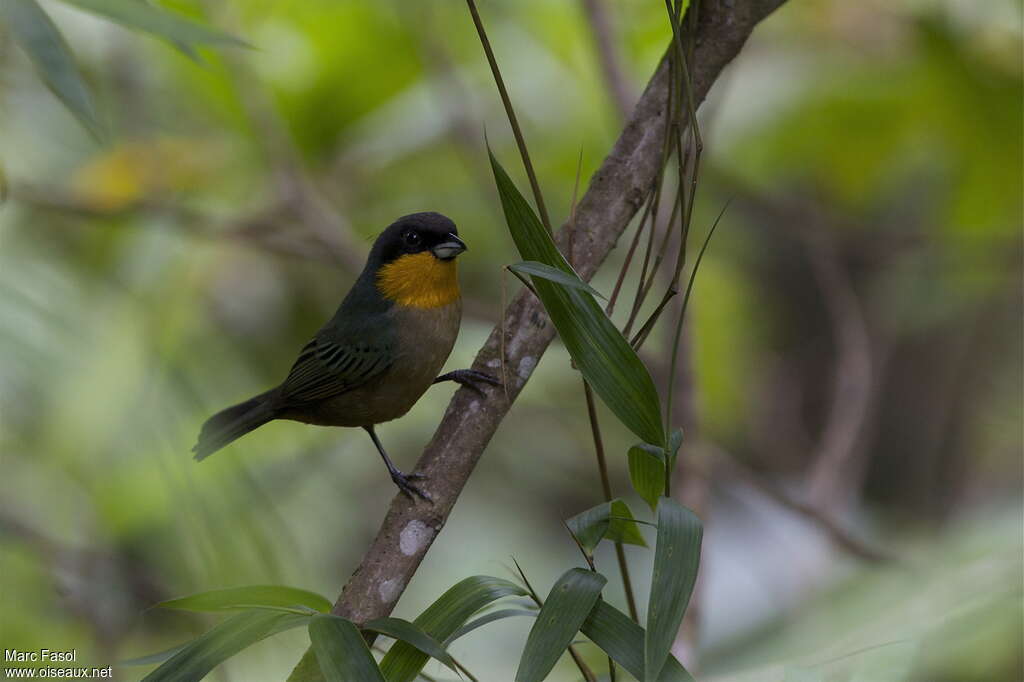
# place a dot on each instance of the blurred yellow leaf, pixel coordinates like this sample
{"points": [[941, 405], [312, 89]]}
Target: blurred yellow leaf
{"points": [[141, 171]]}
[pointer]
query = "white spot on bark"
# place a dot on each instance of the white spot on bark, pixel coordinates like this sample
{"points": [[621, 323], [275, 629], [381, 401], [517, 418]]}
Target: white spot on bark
{"points": [[414, 536], [474, 406], [494, 363], [388, 590], [526, 366]]}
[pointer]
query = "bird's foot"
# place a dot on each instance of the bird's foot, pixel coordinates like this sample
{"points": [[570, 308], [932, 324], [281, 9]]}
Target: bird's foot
{"points": [[404, 483], [470, 378]]}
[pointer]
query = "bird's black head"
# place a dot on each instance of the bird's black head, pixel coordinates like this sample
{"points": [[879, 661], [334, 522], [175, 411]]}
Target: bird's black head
{"points": [[418, 233]]}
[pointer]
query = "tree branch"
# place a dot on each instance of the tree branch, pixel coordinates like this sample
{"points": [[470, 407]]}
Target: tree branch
{"points": [[616, 192]]}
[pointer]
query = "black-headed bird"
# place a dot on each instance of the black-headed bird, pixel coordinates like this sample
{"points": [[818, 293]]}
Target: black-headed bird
{"points": [[379, 353]]}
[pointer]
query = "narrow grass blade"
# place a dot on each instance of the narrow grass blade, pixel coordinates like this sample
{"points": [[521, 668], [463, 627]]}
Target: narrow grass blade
{"points": [[227, 638], [410, 633], [443, 618], [341, 650], [247, 597], [564, 611], [647, 472], [488, 618], [598, 348], [623, 640], [143, 16], [552, 274], [676, 560], [39, 37]]}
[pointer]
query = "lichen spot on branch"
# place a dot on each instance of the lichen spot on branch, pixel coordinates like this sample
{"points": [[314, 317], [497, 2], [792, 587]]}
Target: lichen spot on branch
{"points": [[414, 537]]}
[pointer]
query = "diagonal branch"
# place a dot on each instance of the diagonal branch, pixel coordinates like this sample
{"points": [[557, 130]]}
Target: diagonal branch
{"points": [[616, 192]]}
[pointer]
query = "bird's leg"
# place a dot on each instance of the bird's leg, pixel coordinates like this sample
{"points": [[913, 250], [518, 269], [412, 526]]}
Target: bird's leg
{"points": [[469, 378], [403, 481]]}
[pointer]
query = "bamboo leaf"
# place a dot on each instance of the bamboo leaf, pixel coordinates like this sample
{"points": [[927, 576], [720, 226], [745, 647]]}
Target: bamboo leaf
{"points": [[485, 619], [158, 657], [249, 597], [598, 348], [341, 650], [39, 37], [552, 274], [675, 441], [145, 17], [564, 611], [410, 633], [443, 618], [623, 640], [608, 520], [621, 526], [676, 561], [647, 472], [227, 638]]}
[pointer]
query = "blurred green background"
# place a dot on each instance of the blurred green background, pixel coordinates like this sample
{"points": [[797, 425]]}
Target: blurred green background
{"points": [[856, 326]]}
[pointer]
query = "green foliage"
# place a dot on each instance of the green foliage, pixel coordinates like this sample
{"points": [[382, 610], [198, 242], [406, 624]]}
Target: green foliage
{"points": [[623, 640], [39, 37], [198, 657], [144, 17], [647, 472], [443, 618], [608, 520], [414, 635], [676, 561], [42, 41], [598, 348], [564, 610], [342, 651], [553, 274], [249, 597]]}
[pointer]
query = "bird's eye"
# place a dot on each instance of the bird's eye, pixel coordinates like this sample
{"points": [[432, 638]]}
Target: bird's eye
{"points": [[412, 238]]}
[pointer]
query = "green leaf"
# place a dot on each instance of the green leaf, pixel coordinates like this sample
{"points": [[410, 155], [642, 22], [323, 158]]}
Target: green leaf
{"points": [[609, 520], [410, 633], [675, 441], [621, 526], [38, 36], [568, 279], [623, 640], [158, 657], [341, 650], [598, 348], [145, 17], [443, 618], [227, 638], [248, 597], [676, 561], [647, 472], [485, 619], [564, 611]]}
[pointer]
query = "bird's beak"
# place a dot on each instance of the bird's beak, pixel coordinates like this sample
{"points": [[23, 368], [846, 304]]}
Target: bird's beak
{"points": [[450, 248]]}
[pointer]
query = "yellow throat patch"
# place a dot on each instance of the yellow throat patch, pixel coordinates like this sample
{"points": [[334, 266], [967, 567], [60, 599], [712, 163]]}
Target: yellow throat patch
{"points": [[419, 280]]}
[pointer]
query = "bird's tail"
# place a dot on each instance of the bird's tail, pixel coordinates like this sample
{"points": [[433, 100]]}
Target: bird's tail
{"points": [[233, 423]]}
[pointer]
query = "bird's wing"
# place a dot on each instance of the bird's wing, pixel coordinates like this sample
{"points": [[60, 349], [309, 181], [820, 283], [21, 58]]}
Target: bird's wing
{"points": [[327, 367]]}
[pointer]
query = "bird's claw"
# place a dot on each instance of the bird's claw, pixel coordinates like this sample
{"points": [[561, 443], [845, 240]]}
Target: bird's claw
{"points": [[470, 377], [404, 483]]}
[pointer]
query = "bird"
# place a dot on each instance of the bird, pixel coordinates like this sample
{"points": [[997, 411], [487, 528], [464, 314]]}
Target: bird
{"points": [[379, 353]]}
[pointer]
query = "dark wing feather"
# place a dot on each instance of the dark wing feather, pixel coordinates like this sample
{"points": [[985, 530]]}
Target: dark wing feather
{"points": [[328, 367]]}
